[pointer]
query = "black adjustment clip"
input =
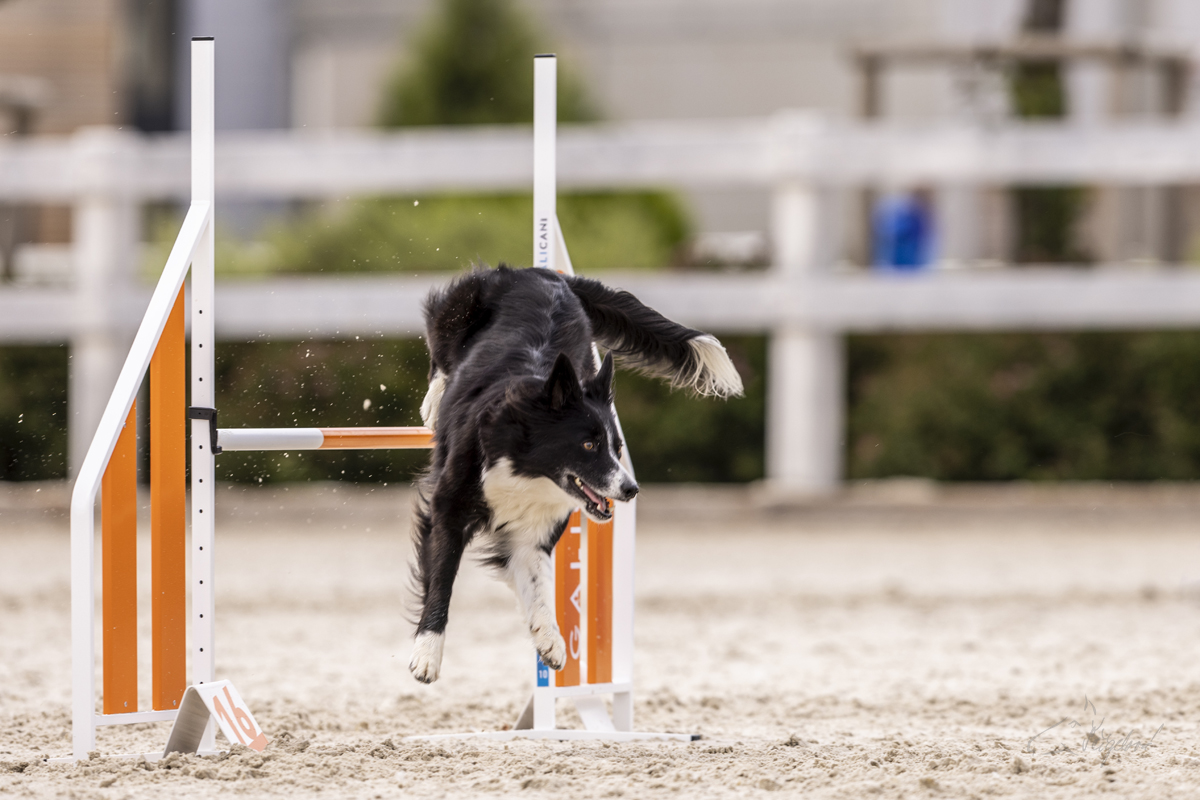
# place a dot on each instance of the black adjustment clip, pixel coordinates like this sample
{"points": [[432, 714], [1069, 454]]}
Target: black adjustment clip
{"points": [[210, 414]]}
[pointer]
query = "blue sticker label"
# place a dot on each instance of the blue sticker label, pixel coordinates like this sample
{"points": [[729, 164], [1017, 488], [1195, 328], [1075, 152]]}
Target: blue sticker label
{"points": [[543, 672]]}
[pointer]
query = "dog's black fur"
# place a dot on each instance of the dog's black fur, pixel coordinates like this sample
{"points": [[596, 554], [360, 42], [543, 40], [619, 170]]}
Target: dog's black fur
{"points": [[524, 428]]}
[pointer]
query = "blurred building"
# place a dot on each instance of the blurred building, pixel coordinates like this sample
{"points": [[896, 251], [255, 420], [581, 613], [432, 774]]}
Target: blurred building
{"points": [[323, 63], [320, 64]]}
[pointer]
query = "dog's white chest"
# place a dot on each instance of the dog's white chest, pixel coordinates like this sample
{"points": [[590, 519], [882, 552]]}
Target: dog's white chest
{"points": [[525, 507]]}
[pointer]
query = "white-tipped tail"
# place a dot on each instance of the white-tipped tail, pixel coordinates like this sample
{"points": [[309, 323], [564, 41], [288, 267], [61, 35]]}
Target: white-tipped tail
{"points": [[433, 400], [713, 373]]}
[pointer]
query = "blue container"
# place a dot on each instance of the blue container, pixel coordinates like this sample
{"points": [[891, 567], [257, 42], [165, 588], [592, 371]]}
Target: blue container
{"points": [[902, 233]]}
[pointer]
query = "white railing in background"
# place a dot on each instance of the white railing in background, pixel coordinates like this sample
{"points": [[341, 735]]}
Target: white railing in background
{"points": [[804, 306], [734, 153]]}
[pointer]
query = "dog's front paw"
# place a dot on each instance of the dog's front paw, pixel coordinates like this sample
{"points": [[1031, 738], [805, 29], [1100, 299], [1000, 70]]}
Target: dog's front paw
{"points": [[426, 662], [550, 647]]}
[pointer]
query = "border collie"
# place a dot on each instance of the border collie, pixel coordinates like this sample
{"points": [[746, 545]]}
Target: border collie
{"points": [[525, 431]]}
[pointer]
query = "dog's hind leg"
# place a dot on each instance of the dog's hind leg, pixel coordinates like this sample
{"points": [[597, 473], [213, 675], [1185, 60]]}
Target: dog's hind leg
{"points": [[441, 539], [441, 559], [528, 572]]}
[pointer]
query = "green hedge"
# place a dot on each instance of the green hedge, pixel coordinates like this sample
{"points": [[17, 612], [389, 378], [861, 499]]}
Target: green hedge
{"points": [[1090, 406], [33, 413]]}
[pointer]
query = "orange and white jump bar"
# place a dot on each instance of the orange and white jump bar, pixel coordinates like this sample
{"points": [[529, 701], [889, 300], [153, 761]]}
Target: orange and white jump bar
{"points": [[234, 439]]}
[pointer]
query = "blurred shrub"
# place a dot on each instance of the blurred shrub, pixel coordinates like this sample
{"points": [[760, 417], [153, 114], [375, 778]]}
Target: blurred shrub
{"points": [[604, 230], [1090, 406], [640, 230], [33, 413]]}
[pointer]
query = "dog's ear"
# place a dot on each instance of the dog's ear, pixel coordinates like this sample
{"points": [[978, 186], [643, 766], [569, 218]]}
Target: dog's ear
{"points": [[562, 387], [601, 386]]}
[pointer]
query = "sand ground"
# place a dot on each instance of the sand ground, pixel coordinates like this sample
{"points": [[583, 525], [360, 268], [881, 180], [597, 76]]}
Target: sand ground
{"points": [[898, 641]]}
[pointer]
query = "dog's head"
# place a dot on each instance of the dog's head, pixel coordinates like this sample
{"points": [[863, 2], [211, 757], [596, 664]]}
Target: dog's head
{"points": [[565, 430]]}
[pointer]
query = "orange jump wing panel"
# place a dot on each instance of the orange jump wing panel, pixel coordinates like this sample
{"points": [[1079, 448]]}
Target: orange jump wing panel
{"points": [[118, 543]]}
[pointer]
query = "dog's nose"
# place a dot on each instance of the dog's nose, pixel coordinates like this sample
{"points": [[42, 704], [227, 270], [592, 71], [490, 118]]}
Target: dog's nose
{"points": [[629, 490]]}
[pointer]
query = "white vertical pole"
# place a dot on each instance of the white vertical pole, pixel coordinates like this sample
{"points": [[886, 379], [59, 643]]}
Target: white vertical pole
{"points": [[1091, 83], [545, 120], [804, 392], [202, 352], [623, 582], [804, 409], [83, 624], [794, 229], [545, 230], [624, 542]]}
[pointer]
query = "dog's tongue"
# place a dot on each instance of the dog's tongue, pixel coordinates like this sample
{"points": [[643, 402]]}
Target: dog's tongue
{"points": [[591, 495]]}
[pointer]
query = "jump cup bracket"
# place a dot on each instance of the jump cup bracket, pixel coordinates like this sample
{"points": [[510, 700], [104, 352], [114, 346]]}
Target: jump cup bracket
{"points": [[210, 414]]}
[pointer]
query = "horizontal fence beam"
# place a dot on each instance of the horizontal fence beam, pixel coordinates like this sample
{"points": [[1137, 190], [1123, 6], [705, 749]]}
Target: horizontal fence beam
{"points": [[1002, 299], [732, 153]]}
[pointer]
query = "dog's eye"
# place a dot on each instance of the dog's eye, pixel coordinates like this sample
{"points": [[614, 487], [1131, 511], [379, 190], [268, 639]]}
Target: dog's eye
{"points": [[589, 445]]}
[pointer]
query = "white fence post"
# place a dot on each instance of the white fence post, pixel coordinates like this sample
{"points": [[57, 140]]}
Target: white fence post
{"points": [[105, 236], [804, 365], [1091, 84]]}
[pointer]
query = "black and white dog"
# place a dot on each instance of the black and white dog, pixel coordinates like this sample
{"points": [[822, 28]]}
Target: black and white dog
{"points": [[524, 429]]}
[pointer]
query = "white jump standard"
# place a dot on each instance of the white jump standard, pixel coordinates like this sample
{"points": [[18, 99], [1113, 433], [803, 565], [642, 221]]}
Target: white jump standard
{"points": [[110, 465]]}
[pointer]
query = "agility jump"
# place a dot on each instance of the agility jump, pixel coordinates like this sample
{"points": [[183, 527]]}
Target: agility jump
{"points": [[593, 562]]}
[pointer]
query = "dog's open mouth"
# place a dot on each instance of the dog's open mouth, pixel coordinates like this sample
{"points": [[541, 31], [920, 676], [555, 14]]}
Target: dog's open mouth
{"points": [[595, 504]]}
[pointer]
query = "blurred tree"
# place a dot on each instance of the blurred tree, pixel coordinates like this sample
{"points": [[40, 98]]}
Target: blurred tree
{"points": [[473, 66]]}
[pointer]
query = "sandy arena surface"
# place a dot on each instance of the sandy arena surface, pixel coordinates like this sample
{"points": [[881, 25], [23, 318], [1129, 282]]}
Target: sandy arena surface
{"points": [[901, 641]]}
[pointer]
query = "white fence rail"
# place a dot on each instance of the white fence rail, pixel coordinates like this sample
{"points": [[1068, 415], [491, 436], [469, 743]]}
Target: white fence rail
{"points": [[1029, 299], [105, 175], [759, 152]]}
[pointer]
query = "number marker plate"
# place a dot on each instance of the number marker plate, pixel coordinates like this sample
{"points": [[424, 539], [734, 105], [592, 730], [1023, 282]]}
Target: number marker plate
{"points": [[218, 700]]}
